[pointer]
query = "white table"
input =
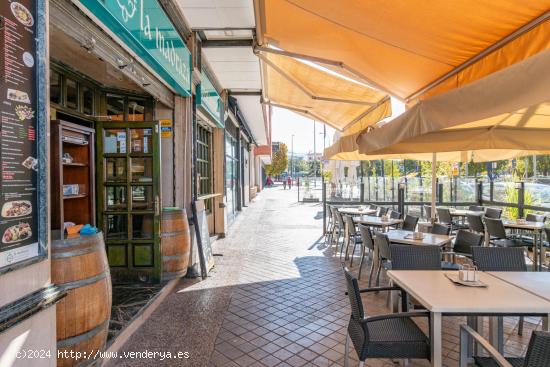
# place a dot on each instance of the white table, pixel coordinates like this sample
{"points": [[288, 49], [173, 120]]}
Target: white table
{"points": [[537, 228], [377, 221], [442, 297], [464, 212], [356, 211], [537, 283], [429, 239]]}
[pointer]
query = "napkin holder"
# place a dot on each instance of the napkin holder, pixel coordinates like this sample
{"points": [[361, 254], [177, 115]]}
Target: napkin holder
{"points": [[468, 273], [385, 218], [417, 235]]}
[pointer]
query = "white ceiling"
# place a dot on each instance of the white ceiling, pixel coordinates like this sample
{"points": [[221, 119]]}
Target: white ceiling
{"points": [[219, 13], [236, 68]]}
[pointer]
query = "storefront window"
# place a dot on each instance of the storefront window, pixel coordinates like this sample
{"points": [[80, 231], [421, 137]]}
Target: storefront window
{"points": [[204, 165], [72, 94], [55, 87], [136, 109], [115, 107], [87, 101]]}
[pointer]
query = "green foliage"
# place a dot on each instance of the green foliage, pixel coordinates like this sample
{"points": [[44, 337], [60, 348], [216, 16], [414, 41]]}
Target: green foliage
{"points": [[327, 175], [279, 163]]}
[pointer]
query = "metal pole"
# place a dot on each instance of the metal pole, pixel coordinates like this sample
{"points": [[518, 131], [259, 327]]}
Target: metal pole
{"points": [[292, 155], [434, 162], [314, 157]]}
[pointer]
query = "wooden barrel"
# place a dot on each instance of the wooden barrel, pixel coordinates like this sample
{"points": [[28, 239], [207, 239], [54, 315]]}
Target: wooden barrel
{"points": [[175, 243], [79, 266]]}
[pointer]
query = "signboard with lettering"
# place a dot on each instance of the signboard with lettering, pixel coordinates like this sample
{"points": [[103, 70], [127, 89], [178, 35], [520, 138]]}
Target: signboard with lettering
{"points": [[210, 100], [19, 164], [166, 128], [144, 27]]}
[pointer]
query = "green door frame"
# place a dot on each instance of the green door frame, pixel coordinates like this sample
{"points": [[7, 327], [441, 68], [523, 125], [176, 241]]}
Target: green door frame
{"points": [[129, 269]]}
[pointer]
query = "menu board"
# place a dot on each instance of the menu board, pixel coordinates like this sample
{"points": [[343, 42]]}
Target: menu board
{"points": [[18, 146]]}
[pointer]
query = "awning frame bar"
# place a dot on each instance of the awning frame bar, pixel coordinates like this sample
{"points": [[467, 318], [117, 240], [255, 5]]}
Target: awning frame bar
{"points": [[509, 38], [302, 111], [358, 118]]}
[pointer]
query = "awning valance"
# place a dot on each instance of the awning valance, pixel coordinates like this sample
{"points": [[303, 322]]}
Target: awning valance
{"points": [[320, 94], [410, 49], [509, 109]]}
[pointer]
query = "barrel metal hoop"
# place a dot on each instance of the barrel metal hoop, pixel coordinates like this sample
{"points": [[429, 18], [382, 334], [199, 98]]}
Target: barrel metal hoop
{"points": [[171, 234], [83, 282], [77, 252], [69, 242], [82, 337]]}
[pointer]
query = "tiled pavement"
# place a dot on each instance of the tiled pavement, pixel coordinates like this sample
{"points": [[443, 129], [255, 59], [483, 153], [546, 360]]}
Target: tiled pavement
{"points": [[275, 298]]}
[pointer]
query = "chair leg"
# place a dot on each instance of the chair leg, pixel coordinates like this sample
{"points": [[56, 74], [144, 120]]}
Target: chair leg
{"points": [[378, 272], [346, 351], [520, 326], [346, 242], [360, 261], [371, 272]]}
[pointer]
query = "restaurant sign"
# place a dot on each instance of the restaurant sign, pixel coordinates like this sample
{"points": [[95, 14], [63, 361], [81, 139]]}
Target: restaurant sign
{"points": [[210, 100], [144, 27], [19, 163]]}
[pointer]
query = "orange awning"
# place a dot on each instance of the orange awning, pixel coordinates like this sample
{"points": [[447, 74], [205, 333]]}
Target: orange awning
{"points": [[410, 49], [319, 94]]}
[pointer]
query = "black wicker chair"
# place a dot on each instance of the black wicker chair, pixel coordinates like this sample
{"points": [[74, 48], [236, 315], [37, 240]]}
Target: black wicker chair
{"points": [[330, 223], [493, 213], [537, 355], [395, 214], [412, 257], [338, 226], [475, 223], [382, 211], [428, 212], [498, 237], [367, 245], [409, 224], [352, 235], [394, 336], [462, 246], [382, 243], [373, 207], [531, 217], [440, 229], [444, 215], [500, 259]]}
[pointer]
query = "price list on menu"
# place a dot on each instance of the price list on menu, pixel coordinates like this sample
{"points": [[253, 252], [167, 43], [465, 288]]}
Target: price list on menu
{"points": [[18, 146]]}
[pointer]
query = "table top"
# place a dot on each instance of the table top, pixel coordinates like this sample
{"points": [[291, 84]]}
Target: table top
{"points": [[438, 294], [377, 221], [464, 212], [356, 210], [537, 283], [429, 239], [535, 226]]}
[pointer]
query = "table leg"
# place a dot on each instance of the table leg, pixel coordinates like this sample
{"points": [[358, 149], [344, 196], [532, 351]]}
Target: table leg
{"points": [[535, 252], [496, 332], [436, 339]]}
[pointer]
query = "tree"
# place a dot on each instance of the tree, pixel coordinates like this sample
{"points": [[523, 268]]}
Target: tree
{"points": [[279, 163]]}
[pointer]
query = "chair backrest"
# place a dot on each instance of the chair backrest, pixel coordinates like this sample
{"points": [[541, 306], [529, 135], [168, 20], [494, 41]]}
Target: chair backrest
{"points": [[440, 229], [531, 217], [465, 240], [499, 258], [413, 257], [395, 214], [333, 211], [383, 243], [373, 207], [495, 228], [444, 215], [350, 225], [494, 213], [476, 208], [538, 351], [339, 218], [383, 211], [352, 286], [409, 224], [475, 223], [366, 236]]}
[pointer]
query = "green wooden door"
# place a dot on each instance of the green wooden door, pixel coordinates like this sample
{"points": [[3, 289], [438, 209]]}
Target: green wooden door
{"points": [[128, 186]]}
